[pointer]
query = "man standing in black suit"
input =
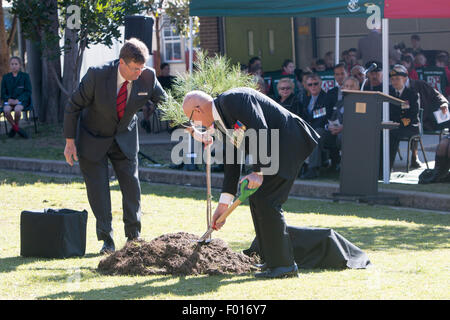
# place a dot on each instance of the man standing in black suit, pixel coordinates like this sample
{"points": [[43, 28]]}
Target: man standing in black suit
{"points": [[100, 123], [249, 109]]}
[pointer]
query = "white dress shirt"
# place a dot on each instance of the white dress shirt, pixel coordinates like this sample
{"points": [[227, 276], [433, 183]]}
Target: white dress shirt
{"points": [[120, 81]]}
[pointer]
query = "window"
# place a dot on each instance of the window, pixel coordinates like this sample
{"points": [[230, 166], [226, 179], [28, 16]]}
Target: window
{"points": [[171, 43]]}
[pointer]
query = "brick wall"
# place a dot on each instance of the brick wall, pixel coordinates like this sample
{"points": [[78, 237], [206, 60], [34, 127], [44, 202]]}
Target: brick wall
{"points": [[209, 34]]}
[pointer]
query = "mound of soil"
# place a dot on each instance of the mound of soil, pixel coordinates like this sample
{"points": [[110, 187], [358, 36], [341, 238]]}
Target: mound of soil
{"points": [[176, 254]]}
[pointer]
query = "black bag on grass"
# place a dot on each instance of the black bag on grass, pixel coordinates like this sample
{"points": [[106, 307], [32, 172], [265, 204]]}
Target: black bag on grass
{"points": [[53, 233], [321, 248]]}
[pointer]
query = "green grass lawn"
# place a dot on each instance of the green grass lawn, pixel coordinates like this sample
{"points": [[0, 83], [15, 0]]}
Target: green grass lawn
{"points": [[410, 250]]}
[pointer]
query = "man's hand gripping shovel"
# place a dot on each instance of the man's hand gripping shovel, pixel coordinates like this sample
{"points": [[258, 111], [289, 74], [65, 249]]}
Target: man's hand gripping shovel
{"points": [[245, 193]]}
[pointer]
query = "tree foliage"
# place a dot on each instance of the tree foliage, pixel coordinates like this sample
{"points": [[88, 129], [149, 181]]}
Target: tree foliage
{"points": [[213, 75]]}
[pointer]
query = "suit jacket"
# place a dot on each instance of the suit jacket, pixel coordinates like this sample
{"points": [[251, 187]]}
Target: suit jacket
{"points": [[16, 88], [93, 108], [430, 100], [315, 122], [331, 100], [257, 111], [397, 113], [292, 103]]}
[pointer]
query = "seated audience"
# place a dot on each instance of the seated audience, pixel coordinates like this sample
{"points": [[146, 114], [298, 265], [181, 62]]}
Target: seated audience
{"points": [[288, 67], [320, 65], [286, 96], [257, 73], [313, 111], [375, 77], [165, 79], [442, 62], [15, 95], [358, 73], [430, 100], [407, 115], [303, 92], [352, 59], [420, 61], [333, 133], [440, 173], [408, 62], [415, 44], [335, 94], [329, 60]]}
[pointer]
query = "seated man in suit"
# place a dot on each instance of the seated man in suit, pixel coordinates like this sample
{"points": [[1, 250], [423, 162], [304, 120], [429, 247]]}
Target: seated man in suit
{"points": [[101, 116], [333, 133], [249, 109], [314, 112], [334, 95], [407, 114], [15, 95]]}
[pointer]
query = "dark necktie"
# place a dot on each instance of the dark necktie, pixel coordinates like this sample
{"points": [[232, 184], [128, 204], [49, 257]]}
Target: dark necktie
{"points": [[122, 100]]}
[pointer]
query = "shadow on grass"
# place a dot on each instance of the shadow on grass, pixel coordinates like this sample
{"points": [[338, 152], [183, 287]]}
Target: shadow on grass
{"points": [[11, 264], [185, 286], [383, 238]]}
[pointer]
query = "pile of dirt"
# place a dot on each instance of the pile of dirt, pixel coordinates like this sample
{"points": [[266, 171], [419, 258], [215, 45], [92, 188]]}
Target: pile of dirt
{"points": [[177, 254]]}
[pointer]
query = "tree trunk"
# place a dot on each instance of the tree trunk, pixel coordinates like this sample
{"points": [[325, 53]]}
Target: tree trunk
{"points": [[50, 66], [157, 57], [4, 49], [34, 69], [70, 78]]}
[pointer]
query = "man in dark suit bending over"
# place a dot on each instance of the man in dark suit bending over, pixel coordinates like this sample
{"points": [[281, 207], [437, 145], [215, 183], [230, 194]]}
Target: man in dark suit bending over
{"points": [[100, 123], [247, 108]]}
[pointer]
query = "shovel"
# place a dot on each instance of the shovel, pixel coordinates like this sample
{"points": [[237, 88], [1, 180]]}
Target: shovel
{"points": [[245, 193]]}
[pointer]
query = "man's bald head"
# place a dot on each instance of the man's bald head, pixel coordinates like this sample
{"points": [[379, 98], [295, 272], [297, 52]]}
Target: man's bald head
{"points": [[198, 104]]}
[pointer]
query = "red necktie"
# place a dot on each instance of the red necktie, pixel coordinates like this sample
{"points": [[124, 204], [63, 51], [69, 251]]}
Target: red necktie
{"points": [[122, 100]]}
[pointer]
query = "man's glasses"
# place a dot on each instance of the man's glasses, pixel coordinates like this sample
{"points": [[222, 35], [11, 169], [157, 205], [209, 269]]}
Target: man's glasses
{"points": [[191, 124], [313, 84], [135, 69], [285, 88]]}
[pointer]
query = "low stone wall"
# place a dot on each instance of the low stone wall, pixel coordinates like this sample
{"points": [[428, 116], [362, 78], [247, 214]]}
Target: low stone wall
{"points": [[301, 188]]}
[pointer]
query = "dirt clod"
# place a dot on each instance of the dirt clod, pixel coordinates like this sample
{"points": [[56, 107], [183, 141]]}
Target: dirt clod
{"points": [[177, 254]]}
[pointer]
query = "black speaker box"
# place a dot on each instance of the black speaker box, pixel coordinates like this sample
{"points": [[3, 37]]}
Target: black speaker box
{"points": [[140, 27]]}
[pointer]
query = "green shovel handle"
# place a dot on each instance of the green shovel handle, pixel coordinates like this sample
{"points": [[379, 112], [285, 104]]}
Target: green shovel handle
{"points": [[245, 191]]}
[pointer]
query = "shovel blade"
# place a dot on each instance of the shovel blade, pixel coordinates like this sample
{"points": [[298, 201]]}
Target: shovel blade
{"points": [[205, 237]]}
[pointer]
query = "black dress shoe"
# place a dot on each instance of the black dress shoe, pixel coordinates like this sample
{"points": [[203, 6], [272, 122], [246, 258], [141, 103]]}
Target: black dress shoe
{"points": [[22, 133], [415, 164], [11, 133], [312, 173], [108, 247], [279, 272]]}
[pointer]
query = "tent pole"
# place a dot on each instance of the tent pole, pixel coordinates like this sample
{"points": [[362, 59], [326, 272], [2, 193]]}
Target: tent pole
{"points": [[191, 49], [336, 43], [385, 41]]}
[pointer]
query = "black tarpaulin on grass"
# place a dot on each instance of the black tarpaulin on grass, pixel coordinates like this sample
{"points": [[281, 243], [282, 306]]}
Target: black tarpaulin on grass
{"points": [[321, 248]]}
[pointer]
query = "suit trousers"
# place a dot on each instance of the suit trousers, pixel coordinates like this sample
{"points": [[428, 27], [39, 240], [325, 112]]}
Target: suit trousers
{"points": [[96, 177], [270, 225], [315, 159]]}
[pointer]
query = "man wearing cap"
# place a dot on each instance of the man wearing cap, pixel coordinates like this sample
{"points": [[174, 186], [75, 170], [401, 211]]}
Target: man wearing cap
{"points": [[407, 114], [375, 77]]}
